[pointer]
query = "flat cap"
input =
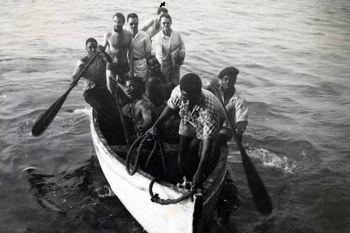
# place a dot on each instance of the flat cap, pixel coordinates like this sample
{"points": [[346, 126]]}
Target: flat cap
{"points": [[228, 71]]}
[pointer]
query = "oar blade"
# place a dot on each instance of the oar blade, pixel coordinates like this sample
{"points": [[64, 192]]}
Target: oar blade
{"points": [[256, 185], [46, 118]]}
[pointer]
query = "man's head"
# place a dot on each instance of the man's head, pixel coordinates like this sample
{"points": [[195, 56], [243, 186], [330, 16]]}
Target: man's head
{"points": [[133, 21], [153, 64], [191, 88], [91, 45], [165, 23], [162, 10], [119, 20], [134, 88], [227, 77]]}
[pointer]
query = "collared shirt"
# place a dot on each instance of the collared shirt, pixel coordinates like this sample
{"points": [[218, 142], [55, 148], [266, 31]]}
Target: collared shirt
{"points": [[206, 117], [142, 45], [236, 106], [165, 45]]}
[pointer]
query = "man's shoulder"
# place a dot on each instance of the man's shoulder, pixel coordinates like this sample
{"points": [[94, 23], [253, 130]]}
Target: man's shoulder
{"points": [[144, 103], [212, 85], [127, 33], [158, 35], [84, 59], [108, 34]]}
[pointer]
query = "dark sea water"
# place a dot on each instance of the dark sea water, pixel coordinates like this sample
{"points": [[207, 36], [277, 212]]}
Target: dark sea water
{"points": [[294, 62]]}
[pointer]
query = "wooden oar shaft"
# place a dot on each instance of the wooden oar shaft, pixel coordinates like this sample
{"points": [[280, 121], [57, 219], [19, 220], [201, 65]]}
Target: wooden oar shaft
{"points": [[255, 183], [125, 130], [46, 118]]}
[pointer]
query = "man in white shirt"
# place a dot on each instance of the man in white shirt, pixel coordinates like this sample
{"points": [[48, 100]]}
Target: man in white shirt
{"points": [[170, 50], [235, 104], [142, 47]]}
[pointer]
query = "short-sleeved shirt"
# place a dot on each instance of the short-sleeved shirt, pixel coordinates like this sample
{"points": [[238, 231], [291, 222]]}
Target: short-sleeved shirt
{"points": [[142, 45], [206, 117], [236, 106]]}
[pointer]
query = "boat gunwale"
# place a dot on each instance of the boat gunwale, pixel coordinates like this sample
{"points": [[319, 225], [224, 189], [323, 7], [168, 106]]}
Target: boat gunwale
{"points": [[210, 192]]}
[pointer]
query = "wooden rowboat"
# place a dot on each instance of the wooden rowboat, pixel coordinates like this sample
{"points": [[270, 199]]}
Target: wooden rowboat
{"points": [[188, 216]]}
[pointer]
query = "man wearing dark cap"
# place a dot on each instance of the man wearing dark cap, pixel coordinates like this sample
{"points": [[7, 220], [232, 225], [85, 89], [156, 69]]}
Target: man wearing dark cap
{"points": [[236, 107], [201, 117]]}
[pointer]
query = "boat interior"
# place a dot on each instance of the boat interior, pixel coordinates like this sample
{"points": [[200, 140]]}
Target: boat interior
{"points": [[162, 164]]}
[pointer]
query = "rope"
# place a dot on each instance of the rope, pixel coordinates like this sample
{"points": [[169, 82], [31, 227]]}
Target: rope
{"points": [[155, 197], [131, 169]]}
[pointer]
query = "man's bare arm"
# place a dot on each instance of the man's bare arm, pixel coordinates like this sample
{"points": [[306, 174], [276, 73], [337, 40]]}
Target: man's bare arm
{"points": [[147, 24], [198, 177], [77, 69], [104, 43]]}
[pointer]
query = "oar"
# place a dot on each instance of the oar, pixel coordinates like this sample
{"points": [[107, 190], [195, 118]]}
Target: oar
{"points": [[256, 185], [46, 118], [125, 130]]}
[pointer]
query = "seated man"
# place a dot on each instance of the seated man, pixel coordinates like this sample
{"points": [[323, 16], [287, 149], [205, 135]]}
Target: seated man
{"points": [[95, 89], [139, 109], [156, 88], [237, 109], [201, 117]]}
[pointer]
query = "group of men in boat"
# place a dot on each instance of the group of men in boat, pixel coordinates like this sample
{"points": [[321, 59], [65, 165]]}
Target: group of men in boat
{"points": [[137, 82]]}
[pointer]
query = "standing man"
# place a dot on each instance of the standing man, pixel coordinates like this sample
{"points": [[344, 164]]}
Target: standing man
{"points": [[95, 90], [170, 50], [152, 26], [237, 109], [201, 117], [142, 47], [119, 42]]}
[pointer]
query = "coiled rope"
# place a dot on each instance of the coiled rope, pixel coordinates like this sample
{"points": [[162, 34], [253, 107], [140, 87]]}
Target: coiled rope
{"points": [[141, 142], [132, 169], [155, 197]]}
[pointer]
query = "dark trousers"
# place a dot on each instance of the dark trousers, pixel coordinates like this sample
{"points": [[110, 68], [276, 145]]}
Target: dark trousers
{"points": [[189, 155]]}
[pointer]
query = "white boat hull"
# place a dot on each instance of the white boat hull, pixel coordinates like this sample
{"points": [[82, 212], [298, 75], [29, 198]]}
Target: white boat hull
{"points": [[133, 192]]}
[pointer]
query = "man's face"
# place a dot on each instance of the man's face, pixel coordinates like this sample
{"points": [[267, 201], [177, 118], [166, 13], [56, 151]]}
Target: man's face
{"points": [[227, 82], [193, 99], [130, 88], [91, 47], [165, 24], [133, 25], [118, 24]]}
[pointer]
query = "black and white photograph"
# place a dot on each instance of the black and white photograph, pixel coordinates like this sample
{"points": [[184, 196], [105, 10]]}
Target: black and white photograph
{"points": [[180, 116]]}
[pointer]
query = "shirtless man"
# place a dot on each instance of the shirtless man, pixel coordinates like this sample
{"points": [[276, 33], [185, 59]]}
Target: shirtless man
{"points": [[95, 90], [119, 42], [139, 109], [152, 26]]}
